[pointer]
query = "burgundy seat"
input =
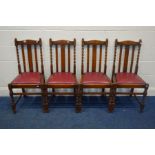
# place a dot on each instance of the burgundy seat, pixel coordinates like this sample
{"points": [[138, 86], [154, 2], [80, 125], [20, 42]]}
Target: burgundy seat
{"points": [[95, 78], [28, 78], [62, 78], [129, 78]]}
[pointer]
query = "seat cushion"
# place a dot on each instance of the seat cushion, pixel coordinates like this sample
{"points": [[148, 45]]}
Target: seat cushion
{"points": [[62, 78], [128, 78], [28, 78], [95, 78]]}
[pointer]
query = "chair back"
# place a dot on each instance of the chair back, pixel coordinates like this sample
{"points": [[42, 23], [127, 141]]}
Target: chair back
{"points": [[64, 52], [29, 54], [93, 51]]}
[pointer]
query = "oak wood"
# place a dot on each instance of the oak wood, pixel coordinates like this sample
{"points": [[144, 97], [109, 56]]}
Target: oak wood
{"points": [[23, 56], [63, 64], [36, 57], [132, 59], [37, 45], [56, 46], [126, 59], [120, 58], [95, 44], [30, 58], [64, 45], [129, 46], [100, 61], [69, 58], [87, 58], [94, 59]]}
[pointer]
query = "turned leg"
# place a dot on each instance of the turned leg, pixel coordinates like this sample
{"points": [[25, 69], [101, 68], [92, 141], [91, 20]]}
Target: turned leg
{"points": [[13, 104], [112, 99], [53, 91], [45, 99], [131, 92], [78, 99], [144, 97], [103, 90], [23, 90]]}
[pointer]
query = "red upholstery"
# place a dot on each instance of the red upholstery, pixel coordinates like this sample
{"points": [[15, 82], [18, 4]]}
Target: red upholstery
{"points": [[128, 78], [95, 78], [28, 78], [62, 78]]}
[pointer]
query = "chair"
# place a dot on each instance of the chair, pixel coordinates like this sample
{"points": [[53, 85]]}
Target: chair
{"points": [[29, 76], [61, 74], [126, 75], [93, 78]]}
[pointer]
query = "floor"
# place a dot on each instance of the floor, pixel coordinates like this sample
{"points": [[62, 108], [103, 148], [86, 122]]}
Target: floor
{"points": [[62, 114]]}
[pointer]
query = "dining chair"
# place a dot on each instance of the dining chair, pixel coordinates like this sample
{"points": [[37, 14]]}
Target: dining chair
{"points": [[30, 69], [125, 74], [63, 69], [94, 70]]}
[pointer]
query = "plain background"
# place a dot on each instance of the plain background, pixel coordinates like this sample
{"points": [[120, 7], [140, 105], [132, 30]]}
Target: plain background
{"points": [[77, 13]]}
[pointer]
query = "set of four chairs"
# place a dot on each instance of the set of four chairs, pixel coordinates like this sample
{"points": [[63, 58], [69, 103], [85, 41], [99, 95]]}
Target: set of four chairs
{"points": [[63, 70]]}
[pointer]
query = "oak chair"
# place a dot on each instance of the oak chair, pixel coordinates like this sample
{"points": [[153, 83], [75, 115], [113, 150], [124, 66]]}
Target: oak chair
{"points": [[28, 54], [126, 75], [93, 78], [61, 74]]}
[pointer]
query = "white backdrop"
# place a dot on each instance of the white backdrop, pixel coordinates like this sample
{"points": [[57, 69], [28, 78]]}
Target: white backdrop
{"points": [[8, 63]]}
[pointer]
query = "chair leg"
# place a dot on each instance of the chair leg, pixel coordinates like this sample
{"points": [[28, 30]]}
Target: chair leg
{"points": [[144, 97], [103, 90], [53, 91], [78, 99], [131, 92], [112, 99], [13, 104], [45, 99], [23, 90]]}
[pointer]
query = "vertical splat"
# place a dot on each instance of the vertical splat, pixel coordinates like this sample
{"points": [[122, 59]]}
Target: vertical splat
{"points": [[120, 58], [94, 59], [63, 58], [132, 58], [87, 58], [56, 58], [36, 57], [23, 56], [68, 58], [126, 59], [30, 58], [100, 61]]}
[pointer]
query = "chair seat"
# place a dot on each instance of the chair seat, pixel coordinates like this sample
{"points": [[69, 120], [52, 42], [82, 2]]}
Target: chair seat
{"points": [[95, 78], [62, 78], [28, 78], [128, 78]]}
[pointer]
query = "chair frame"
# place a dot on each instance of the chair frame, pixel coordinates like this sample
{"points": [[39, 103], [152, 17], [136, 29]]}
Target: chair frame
{"points": [[127, 44], [94, 44], [62, 44], [11, 86]]}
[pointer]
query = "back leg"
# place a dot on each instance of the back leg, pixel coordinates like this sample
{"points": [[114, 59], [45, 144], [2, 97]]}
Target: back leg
{"points": [[24, 91], [144, 97], [131, 92], [13, 104], [103, 90], [78, 95]]}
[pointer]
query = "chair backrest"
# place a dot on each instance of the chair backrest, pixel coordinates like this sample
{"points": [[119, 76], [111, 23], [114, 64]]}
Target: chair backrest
{"points": [[94, 46], [66, 47], [28, 52], [128, 52]]}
